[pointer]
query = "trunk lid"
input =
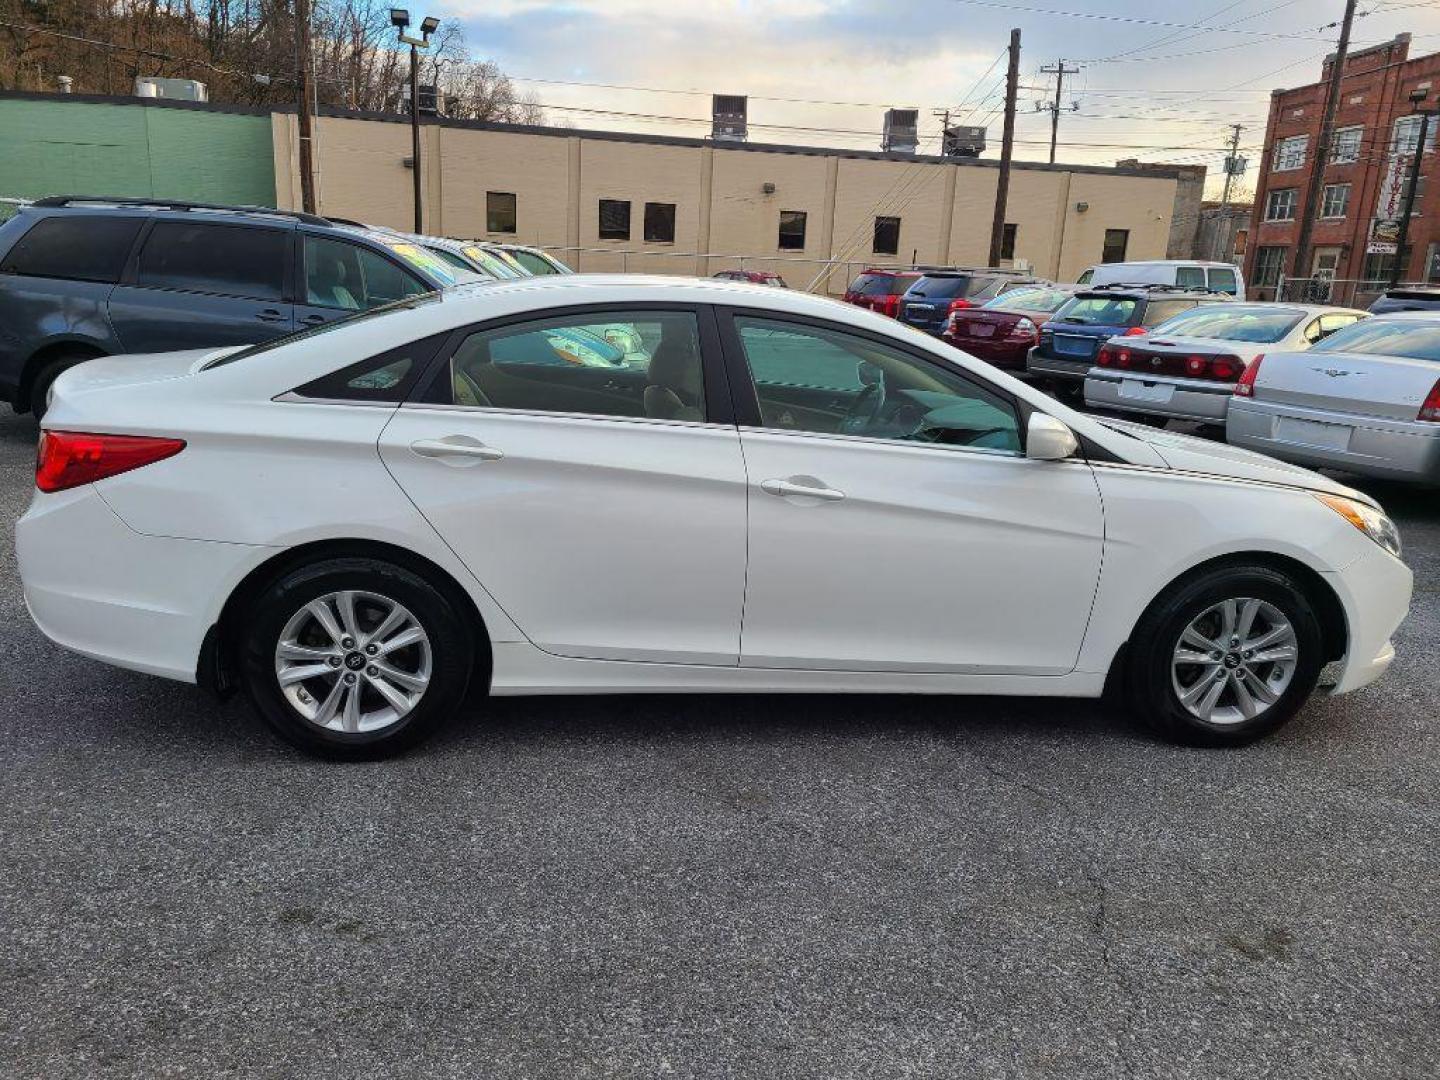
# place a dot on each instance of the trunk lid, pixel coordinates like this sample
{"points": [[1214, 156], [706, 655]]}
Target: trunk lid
{"points": [[1390, 387], [111, 372]]}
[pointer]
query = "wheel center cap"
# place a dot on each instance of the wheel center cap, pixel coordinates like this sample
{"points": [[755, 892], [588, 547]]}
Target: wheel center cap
{"points": [[354, 661], [1232, 660]]}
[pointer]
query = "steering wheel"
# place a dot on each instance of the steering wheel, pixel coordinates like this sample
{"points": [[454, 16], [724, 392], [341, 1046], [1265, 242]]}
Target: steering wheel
{"points": [[869, 404]]}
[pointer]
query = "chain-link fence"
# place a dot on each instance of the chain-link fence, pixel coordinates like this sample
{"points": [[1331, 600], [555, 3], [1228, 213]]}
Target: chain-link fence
{"points": [[1342, 292]]}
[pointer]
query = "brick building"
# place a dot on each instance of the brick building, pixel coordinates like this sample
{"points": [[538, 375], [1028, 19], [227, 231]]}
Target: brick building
{"points": [[1376, 130]]}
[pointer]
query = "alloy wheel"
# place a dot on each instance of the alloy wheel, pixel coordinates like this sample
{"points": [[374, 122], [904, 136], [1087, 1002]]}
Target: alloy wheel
{"points": [[1234, 661], [353, 661]]}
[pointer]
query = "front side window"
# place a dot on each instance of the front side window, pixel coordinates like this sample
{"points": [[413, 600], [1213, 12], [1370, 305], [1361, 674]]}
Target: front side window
{"points": [[792, 230], [622, 364], [1290, 153], [833, 383], [228, 260], [1345, 146], [1335, 200], [1415, 340], [659, 223], [1117, 241], [887, 236], [1280, 205], [78, 247], [1223, 280], [500, 211], [614, 219], [353, 278], [1269, 265]]}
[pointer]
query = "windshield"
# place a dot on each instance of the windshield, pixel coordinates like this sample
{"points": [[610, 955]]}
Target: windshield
{"points": [[1415, 340], [536, 264], [426, 260], [1231, 322], [449, 258], [490, 262], [1098, 310], [1042, 300], [407, 304]]}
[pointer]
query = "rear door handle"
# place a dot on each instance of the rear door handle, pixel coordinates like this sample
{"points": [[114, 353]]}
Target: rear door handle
{"points": [[786, 487], [271, 315], [457, 446]]}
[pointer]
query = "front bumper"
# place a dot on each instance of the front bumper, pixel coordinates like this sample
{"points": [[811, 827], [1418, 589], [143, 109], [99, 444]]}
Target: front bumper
{"points": [[95, 586], [1368, 445], [1375, 593], [1174, 398], [1050, 367]]}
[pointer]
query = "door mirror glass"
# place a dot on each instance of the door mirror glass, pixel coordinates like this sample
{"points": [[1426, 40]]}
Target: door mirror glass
{"points": [[1048, 439]]}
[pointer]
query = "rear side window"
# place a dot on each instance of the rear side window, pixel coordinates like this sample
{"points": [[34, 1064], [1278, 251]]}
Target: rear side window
{"points": [[232, 260], [80, 247], [387, 377]]}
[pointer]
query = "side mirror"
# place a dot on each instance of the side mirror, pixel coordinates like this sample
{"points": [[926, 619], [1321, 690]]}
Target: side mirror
{"points": [[1047, 439]]}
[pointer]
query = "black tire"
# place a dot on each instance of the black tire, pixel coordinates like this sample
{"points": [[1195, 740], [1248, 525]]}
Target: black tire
{"points": [[452, 655], [1151, 677], [46, 376]]}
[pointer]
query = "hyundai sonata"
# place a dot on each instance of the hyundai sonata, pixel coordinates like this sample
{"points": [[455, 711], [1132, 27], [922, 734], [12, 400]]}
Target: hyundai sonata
{"points": [[359, 522]]}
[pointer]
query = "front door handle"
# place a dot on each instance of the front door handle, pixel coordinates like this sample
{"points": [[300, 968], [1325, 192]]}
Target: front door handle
{"points": [[271, 315], [783, 488], [314, 320], [460, 446]]}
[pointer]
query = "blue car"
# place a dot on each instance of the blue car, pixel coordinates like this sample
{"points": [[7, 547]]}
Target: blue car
{"points": [[82, 277], [1073, 335]]}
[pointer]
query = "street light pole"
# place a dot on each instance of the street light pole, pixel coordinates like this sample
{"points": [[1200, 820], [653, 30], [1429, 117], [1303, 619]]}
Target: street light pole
{"points": [[400, 19], [1397, 269]]}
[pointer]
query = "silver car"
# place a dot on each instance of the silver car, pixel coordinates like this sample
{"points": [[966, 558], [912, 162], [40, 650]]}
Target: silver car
{"points": [[1187, 367], [1366, 400]]}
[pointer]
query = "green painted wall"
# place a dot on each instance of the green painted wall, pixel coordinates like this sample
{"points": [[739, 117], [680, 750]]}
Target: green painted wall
{"points": [[50, 147]]}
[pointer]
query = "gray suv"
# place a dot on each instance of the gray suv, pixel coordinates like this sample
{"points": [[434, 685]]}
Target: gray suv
{"points": [[82, 277]]}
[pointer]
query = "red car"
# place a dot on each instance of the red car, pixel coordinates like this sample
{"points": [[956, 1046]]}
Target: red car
{"points": [[754, 277], [1002, 331], [880, 290]]}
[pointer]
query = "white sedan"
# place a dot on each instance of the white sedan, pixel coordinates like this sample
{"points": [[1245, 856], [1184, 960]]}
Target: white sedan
{"points": [[357, 523]]}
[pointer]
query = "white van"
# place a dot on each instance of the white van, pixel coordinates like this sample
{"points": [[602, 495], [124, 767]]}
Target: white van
{"points": [[1185, 273]]}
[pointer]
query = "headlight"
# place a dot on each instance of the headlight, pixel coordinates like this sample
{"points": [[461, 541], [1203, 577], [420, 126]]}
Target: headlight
{"points": [[1373, 523]]}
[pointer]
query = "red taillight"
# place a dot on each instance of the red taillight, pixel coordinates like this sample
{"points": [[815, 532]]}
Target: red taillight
{"points": [[1430, 409], [1109, 356], [960, 302], [1246, 386], [1225, 368], [67, 459], [890, 305], [1135, 331]]}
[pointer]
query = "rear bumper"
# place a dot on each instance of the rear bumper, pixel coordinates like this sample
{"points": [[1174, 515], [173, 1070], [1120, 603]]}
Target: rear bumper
{"points": [[1049, 367], [1375, 593], [1372, 446], [95, 586], [1178, 399], [1009, 357]]}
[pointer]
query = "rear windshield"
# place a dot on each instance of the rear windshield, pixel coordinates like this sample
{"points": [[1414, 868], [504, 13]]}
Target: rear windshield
{"points": [[1415, 340], [878, 284], [954, 285], [1098, 310], [1042, 300], [1231, 322]]}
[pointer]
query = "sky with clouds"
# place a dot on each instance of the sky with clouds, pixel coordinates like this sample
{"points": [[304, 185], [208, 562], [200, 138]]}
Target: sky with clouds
{"points": [[1161, 80]]}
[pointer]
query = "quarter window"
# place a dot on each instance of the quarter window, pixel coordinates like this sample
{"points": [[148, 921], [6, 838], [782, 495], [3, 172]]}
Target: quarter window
{"points": [[353, 278], [500, 211], [80, 247], [832, 383], [1280, 205], [231, 260], [387, 377], [792, 230], [659, 223], [1290, 153], [614, 219], [887, 236], [625, 364]]}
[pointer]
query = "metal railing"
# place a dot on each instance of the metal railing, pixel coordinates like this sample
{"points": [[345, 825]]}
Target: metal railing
{"points": [[1342, 292]]}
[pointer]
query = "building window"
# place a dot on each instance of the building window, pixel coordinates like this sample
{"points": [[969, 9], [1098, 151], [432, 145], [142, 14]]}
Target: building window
{"points": [[887, 236], [1116, 243], [1407, 133], [1378, 268], [1280, 205], [792, 230], [1334, 200], [1007, 241], [614, 219], [1345, 147], [1290, 153], [1269, 265], [659, 223], [1405, 190], [499, 211]]}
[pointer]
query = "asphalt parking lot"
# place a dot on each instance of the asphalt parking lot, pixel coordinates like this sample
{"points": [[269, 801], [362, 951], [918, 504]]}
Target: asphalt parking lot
{"points": [[715, 887]]}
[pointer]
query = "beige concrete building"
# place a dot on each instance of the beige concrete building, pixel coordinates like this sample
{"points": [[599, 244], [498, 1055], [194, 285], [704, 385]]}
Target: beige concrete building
{"points": [[805, 212]]}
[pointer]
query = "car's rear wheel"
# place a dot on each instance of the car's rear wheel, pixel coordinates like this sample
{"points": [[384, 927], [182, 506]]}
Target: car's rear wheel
{"points": [[46, 376], [1226, 657], [355, 657]]}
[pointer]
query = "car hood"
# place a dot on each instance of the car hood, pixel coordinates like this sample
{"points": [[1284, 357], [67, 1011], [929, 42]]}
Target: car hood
{"points": [[1187, 453]]}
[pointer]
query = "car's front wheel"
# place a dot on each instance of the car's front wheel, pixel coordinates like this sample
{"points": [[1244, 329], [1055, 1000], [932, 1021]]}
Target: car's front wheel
{"points": [[1226, 657], [355, 657]]}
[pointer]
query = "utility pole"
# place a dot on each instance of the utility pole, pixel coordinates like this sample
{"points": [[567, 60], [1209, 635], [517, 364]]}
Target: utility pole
{"points": [[1059, 71], [944, 117], [1300, 267], [1007, 149], [306, 114], [1232, 163], [1402, 241]]}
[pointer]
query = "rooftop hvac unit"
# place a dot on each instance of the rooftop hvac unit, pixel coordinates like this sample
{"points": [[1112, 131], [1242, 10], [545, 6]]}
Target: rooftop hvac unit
{"points": [[961, 141], [171, 89], [902, 131], [728, 118]]}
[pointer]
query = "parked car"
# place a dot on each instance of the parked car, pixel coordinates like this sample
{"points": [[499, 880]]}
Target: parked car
{"points": [[85, 277], [1072, 337], [537, 261], [1406, 298], [1004, 330], [594, 530], [880, 290], [1180, 273], [1365, 400], [754, 277], [1187, 367], [932, 297]]}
